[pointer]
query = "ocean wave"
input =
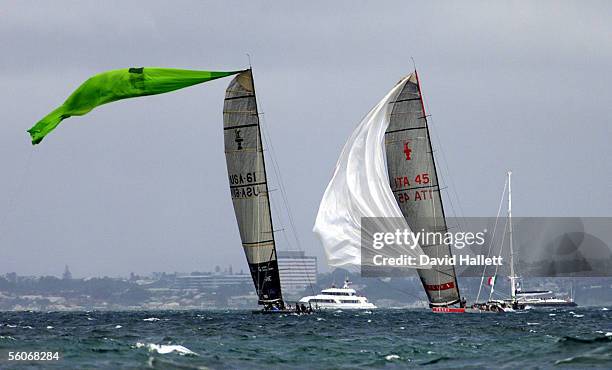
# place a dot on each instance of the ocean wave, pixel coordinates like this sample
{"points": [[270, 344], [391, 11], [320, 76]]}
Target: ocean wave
{"points": [[435, 360], [573, 340], [157, 363], [166, 348], [583, 359]]}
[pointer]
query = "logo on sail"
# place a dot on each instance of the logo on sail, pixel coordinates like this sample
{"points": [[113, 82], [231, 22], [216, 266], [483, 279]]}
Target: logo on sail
{"points": [[438, 287], [238, 139], [407, 150]]}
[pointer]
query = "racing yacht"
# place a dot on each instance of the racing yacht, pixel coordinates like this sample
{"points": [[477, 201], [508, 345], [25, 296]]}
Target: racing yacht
{"points": [[344, 298]]}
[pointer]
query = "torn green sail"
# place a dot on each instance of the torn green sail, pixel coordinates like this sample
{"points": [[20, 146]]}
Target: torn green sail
{"points": [[120, 84]]}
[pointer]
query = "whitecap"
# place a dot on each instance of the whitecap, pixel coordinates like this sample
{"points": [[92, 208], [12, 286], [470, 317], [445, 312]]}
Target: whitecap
{"points": [[533, 323], [391, 357], [609, 334], [402, 328], [578, 316], [118, 327], [369, 320], [320, 319], [151, 319], [11, 326], [604, 309], [166, 348], [552, 314], [49, 327]]}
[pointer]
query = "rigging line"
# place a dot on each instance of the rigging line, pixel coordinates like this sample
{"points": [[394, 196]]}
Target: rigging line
{"points": [[449, 196], [501, 201], [500, 250], [284, 197], [277, 173], [448, 173], [14, 197], [279, 220], [446, 167], [276, 169]]}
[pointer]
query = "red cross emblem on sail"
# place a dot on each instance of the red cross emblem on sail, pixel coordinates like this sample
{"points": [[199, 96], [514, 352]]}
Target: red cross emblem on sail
{"points": [[407, 151]]}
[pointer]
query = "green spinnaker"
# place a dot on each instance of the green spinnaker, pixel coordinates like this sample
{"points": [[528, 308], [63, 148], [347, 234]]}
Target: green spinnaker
{"points": [[120, 84]]}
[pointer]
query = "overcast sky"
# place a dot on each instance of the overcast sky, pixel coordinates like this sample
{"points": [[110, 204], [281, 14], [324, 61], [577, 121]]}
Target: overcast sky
{"points": [[140, 185]]}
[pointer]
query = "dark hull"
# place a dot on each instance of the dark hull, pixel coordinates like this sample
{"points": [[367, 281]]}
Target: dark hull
{"points": [[551, 304], [279, 312]]}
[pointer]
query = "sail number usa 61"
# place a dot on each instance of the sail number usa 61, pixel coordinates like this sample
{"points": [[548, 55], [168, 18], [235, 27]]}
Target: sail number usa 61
{"points": [[244, 185]]}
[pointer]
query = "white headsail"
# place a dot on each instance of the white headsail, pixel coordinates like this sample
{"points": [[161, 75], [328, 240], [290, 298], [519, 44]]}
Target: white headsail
{"points": [[359, 188]]}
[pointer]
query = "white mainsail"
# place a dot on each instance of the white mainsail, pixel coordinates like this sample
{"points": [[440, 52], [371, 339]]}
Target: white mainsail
{"points": [[360, 188]]}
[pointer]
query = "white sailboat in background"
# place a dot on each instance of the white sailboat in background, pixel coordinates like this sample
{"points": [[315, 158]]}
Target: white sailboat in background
{"points": [[519, 299], [529, 298]]}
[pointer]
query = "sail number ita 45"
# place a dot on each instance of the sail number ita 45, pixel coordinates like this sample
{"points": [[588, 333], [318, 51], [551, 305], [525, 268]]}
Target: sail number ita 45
{"points": [[413, 188]]}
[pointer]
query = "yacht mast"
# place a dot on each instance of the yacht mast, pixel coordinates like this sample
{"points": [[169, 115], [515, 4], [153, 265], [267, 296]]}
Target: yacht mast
{"points": [[512, 276]]}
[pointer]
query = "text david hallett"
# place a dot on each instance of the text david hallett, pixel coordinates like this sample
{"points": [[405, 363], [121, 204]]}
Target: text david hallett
{"points": [[423, 260]]}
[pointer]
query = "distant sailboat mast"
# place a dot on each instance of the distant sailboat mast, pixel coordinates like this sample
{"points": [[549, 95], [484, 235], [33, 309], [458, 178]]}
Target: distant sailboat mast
{"points": [[513, 278]]}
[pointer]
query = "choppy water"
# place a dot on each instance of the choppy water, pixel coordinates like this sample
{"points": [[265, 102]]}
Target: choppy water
{"points": [[574, 337]]}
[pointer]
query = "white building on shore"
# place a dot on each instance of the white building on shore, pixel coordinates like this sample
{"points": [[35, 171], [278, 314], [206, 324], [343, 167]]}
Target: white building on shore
{"points": [[298, 272]]}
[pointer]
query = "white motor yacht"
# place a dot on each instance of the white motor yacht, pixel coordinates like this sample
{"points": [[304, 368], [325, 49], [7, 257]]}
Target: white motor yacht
{"points": [[344, 298]]}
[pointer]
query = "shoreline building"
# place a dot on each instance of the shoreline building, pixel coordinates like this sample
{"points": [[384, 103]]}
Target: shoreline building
{"points": [[298, 271], [211, 281]]}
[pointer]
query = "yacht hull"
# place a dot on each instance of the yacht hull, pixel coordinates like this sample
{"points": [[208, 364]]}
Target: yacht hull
{"points": [[551, 304]]}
